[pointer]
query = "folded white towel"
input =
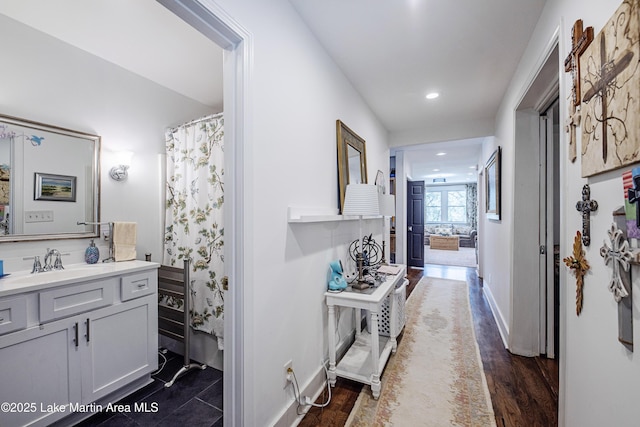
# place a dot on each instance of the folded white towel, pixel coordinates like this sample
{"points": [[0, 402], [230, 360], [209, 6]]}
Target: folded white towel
{"points": [[124, 241]]}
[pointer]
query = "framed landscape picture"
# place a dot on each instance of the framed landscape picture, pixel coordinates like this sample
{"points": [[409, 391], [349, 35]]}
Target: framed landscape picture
{"points": [[492, 186], [60, 188]]}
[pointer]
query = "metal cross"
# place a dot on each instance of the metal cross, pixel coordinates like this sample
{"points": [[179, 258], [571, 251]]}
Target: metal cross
{"points": [[633, 195], [580, 266], [609, 71], [586, 206], [617, 253]]}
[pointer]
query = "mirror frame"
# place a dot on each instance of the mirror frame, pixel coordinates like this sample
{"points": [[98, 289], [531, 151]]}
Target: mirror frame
{"points": [[95, 232], [348, 138]]}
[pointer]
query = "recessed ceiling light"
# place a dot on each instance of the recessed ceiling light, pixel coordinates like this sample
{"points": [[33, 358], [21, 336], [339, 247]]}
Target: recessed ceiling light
{"points": [[472, 167], [441, 154], [436, 170], [433, 95]]}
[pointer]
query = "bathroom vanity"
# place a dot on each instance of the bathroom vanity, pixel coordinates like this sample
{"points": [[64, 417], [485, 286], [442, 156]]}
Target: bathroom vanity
{"points": [[73, 340]]}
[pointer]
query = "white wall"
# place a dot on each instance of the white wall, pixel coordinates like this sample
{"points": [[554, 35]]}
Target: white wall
{"points": [[297, 93], [599, 378], [46, 80]]}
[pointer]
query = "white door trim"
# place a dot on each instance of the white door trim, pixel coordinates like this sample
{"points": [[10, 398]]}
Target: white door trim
{"points": [[211, 20]]}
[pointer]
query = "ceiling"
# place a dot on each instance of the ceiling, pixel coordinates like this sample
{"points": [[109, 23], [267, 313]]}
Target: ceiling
{"points": [[393, 51], [141, 36]]}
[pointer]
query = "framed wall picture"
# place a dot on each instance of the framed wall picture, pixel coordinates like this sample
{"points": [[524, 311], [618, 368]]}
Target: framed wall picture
{"points": [[610, 91], [352, 159], [59, 188], [492, 186]]}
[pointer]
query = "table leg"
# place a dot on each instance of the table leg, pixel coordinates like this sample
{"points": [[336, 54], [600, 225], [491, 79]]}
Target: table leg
{"points": [[358, 322], [393, 321], [375, 356], [331, 314]]}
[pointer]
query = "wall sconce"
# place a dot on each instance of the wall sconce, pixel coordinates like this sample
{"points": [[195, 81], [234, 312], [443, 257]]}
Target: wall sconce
{"points": [[120, 171]]}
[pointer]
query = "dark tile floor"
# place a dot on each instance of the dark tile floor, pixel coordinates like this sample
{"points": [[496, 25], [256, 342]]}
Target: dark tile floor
{"points": [[195, 399]]}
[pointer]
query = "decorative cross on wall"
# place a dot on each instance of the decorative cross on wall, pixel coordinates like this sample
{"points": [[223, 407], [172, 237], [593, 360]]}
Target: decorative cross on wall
{"points": [[618, 255], [609, 71], [573, 121], [579, 41], [580, 266], [586, 206], [634, 196]]}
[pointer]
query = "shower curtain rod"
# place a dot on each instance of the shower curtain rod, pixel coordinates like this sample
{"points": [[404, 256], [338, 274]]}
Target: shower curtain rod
{"points": [[193, 122]]}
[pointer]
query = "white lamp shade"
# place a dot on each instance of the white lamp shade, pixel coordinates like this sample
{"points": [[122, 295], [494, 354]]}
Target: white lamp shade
{"points": [[361, 199], [387, 204]]}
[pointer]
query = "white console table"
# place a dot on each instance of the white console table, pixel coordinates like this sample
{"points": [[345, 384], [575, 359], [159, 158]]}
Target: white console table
{"points": [[366, 358]]}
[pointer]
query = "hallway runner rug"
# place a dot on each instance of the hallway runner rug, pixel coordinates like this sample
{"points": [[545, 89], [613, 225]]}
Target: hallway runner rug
{"points": [[465, 257], [436, 376]]}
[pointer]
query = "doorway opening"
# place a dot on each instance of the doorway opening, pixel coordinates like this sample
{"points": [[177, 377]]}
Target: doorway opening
{"points": [[218, 26], [535, 323]]}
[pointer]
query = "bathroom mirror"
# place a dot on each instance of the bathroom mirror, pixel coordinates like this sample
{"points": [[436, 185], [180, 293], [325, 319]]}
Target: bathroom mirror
{"points": [[49, 181], [352, 159]]}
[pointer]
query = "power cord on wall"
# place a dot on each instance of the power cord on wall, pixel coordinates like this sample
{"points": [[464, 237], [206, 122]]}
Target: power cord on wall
{"points": [[306, 400]]}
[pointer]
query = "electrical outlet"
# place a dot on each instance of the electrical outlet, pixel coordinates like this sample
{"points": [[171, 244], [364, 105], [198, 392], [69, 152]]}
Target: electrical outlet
{"points": [[288, 369]]}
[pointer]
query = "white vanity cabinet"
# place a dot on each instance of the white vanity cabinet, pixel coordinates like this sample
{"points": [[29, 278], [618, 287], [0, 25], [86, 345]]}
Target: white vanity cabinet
{"points": [[91, 340]]}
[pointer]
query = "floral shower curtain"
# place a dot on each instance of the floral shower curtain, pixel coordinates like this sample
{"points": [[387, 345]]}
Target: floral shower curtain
{"points": [[194, 225]]}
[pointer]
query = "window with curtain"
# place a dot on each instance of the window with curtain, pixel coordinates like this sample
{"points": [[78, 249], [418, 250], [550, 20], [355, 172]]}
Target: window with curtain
{"points": [[446, 204]]}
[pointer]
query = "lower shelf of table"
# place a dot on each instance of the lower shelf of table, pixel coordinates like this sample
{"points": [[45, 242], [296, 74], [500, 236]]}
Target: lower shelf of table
{"points": [[357, 363]]}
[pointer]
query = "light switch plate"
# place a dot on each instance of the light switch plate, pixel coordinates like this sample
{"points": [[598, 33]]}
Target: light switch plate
{"points": [[38, 216]]}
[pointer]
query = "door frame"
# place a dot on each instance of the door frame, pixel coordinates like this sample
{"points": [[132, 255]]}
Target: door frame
{"points": [[212, 21], [524, 328], [547, 229]]}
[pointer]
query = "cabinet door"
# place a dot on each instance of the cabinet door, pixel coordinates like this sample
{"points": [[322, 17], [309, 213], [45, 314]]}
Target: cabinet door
{"points": [[120, 344], [39, 373]]}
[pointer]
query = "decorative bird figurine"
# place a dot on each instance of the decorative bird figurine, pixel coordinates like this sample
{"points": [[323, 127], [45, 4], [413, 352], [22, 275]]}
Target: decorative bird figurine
{"points": [[35, 140]]}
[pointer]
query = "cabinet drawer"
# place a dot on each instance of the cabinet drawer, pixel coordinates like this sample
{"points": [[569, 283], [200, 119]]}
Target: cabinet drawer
{"points": [[13, 314], [138, 285], [67, 301]]}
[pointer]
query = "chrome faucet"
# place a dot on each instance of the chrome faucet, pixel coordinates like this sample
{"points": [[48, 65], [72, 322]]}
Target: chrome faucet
{"points": [[47, 260], [37, 267]]}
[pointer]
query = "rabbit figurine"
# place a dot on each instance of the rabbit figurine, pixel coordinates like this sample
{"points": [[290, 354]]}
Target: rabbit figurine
{"points": [[337, 282]]}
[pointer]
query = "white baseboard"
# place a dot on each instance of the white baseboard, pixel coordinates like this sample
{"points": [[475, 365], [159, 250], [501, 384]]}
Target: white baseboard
{"points": [[503, 328]]}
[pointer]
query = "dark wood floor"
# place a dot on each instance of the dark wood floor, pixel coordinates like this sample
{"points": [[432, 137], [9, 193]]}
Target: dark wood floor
{"points": [[524, 391]]}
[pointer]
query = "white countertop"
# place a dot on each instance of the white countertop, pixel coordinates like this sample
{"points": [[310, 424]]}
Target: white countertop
{"points": [[366, 296], [25, 281]]}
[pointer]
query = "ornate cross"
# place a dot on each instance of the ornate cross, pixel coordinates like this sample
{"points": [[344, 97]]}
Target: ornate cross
{"points": [[633, 194], [572, 122], [580, 40], [580, 266], [609, 71], [618, 255], [586, 206]]}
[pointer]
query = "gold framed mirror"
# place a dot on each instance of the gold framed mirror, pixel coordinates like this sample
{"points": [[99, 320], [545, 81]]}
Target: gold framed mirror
{"points": [[352, 159]]}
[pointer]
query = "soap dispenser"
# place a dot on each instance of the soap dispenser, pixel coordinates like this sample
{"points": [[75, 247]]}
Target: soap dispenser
{"points": [[92, 254]]}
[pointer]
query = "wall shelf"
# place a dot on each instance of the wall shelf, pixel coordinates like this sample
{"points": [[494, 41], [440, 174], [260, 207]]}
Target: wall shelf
{"points": [[310, 215]]}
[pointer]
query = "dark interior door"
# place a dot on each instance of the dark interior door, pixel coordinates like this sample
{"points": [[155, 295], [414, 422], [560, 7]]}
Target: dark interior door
{"points": [[415, 223]]}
